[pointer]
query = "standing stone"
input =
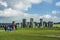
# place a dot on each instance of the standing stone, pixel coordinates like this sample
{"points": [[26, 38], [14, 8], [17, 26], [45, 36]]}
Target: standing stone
{"points": [[13, 22], [24, 23], [50, 24], [45, 24], [28, 24], [18, 25], [31, 23], [41, 23], [36, 24], [21, 25], [4, 25]]}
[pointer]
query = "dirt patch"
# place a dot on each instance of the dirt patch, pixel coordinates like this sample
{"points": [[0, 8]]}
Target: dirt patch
{"points": [[1, 30], [58, 36]]}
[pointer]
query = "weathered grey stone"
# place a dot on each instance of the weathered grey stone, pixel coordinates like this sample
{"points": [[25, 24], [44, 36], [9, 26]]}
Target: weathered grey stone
{"points": [[28, 23], [45, 24], [21, 25], [18, 25], [13, 22], [24, 23], [36, 24], [50, 24], [41, 23], [31, 23]]}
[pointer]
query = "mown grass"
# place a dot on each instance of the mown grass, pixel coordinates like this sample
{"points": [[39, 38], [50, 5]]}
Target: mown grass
{"points": [[29, 34], [56, 25]]}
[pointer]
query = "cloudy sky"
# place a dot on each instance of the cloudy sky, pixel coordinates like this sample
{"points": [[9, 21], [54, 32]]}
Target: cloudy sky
{"points": [[16, 10]]}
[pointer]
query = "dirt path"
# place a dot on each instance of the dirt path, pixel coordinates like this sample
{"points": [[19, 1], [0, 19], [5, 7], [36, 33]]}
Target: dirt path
{"points": [[1, 30], [58, 36]]}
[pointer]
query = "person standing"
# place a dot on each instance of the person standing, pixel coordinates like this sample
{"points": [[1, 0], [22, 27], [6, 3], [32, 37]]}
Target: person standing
{"points": [[6, 28]]}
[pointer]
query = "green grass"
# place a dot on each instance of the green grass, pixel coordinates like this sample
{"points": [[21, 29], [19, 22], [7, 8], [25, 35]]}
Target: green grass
{"points": [[56, 25], [30, 34]]}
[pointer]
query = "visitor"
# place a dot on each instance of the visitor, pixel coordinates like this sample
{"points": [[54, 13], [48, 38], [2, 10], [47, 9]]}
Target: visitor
{"points": [[10, 28], [6, 28]]}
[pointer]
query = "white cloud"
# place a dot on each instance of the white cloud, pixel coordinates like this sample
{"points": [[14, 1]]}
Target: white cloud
{"points": [[19, 6], [3, 3], [58, 4], [46, 16], [14, 13], [18, 15], [55, 12], [55, 17], [49, 1], [8, 12], [36, 1], [25, 4], [22, 6]]}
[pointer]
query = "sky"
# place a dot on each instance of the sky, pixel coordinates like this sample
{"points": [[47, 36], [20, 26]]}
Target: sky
{"points": [[16, 10]]}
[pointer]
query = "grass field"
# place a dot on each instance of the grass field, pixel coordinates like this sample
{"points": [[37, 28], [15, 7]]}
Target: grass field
{"points": [[56, 25], [30, 34]]}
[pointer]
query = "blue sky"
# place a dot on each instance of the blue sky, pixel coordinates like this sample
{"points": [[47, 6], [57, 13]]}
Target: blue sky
{"points": [[16, 10], [44, 7]]}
